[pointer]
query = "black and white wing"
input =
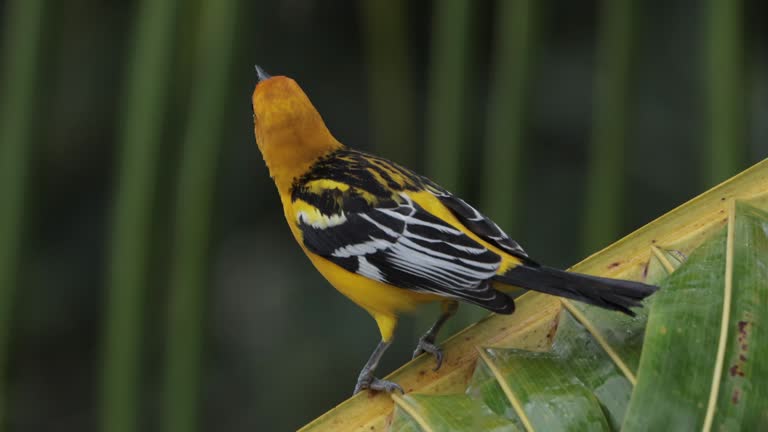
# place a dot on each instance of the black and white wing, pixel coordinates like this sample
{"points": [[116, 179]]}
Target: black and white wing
{"points": [[478, 223], [402, 244]]}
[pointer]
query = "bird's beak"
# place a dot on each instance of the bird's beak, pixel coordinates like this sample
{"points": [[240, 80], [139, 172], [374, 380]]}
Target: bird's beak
{"points": [[262, 74]]}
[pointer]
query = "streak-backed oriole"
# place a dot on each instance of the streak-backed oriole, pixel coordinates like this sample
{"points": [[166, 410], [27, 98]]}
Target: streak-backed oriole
{"points": [[390, 239]]}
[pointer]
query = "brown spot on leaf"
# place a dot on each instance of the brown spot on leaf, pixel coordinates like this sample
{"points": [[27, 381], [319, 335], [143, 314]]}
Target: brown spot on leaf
{"points": [[663, 330], [653, 241], [743, 327], [614, 264], [553, 330], [722, 199], [736, 396], [736, 370]]}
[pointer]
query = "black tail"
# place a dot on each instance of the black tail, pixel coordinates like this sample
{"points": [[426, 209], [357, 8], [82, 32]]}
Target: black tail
{"points": [[613, 294]]}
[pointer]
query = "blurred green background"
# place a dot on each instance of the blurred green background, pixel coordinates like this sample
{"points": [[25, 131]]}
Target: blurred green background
{"points": [[147, 279]]}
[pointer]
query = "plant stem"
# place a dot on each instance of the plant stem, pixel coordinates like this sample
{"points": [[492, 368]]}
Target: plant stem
{"points": [[725, 90], [21, 50], [515, 31], [194, 206], [390, 85], [451, 48], [145, 98], [605, 182]]}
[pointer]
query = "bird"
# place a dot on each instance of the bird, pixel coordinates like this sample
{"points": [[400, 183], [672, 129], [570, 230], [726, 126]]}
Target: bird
{"points": [[390, 239]]}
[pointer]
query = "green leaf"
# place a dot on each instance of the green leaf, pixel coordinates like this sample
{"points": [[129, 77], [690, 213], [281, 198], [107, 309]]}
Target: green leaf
{"points": [[701, 366], [621, 336], [575, 386], [452, 413], [485, 387], [742, 397], [678, 358], [402, 422]]}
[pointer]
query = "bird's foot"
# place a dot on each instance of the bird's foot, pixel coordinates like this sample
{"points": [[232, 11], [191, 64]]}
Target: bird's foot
{"points": [[427, 344], [366, 380]]}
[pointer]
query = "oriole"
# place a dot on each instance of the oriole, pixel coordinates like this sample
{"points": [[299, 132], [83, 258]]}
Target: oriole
{"points": [[390, 239]]}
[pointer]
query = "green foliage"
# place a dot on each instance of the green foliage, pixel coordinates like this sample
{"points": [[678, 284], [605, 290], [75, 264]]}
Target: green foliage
{"points": [[569, 386], [393, 119], [516, 26], [702, 366], [452, 52], [20, 73], [725, 89], [194, 207], [146, 98], [605, 181]]}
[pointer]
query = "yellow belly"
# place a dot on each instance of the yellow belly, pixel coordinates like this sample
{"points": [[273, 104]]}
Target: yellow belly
{"points": [[375, 297]]}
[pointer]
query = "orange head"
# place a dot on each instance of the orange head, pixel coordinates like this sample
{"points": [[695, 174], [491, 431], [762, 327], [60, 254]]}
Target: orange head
{"points": [[290, 133]]}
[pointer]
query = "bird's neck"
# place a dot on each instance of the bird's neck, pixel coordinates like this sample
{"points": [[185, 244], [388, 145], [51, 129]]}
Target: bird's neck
{"points": [[290, 152]]}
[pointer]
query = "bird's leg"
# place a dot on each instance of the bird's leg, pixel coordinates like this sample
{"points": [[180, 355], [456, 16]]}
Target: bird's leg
{"points": [[427, 342], [366, 380]]}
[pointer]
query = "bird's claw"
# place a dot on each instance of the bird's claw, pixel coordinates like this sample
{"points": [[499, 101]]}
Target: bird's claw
{"points": [[427, 344], [368, 381]]}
